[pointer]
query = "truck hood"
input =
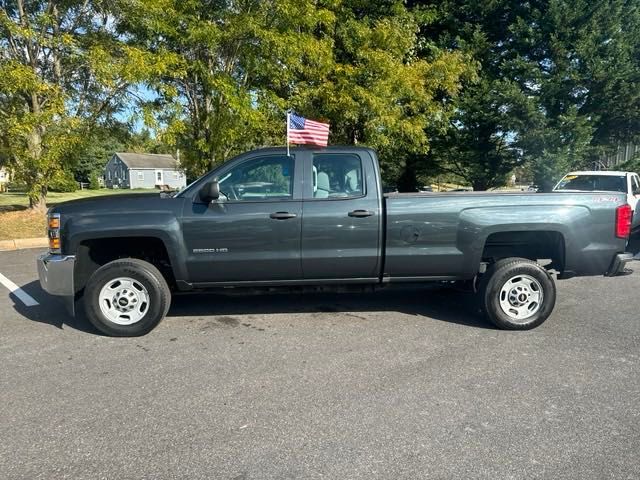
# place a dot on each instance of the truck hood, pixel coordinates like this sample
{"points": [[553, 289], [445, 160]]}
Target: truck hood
{"points": [[117, 203]]}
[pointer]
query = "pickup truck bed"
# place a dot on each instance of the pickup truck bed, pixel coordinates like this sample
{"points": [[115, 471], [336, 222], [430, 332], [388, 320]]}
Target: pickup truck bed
{"points": [[448, 234], [318, 217]]}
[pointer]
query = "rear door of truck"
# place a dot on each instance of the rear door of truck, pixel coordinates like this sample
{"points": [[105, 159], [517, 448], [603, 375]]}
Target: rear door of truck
{"points": [[342, 216]]}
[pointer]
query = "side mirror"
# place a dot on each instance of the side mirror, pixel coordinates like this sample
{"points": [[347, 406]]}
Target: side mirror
{"points": [[210, 191]]}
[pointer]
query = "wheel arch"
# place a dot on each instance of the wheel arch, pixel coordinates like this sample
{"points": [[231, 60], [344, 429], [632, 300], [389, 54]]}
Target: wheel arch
{"points": [[536, 245], [92, 253]]}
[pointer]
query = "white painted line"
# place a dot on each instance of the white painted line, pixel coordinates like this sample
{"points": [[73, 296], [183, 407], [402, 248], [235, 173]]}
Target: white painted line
{"points": [[24, 297]]}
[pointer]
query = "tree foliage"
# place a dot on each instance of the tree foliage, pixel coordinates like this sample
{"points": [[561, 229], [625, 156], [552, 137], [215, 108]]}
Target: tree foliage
{"points": [[558, 84], [468, 88], [241, 59], [346, 62], [64, 68], [379, 90]]}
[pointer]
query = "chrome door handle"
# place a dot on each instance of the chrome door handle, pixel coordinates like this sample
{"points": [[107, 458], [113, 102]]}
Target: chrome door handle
{"points": [[282, 215], [360, 213]]}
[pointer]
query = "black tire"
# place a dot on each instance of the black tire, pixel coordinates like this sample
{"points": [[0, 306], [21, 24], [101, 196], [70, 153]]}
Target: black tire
{"points": [[497, 275], [159, 296]]}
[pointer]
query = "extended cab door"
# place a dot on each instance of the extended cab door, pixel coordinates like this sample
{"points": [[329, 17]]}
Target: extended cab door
{"points": [[252, 233], [342, 215]]}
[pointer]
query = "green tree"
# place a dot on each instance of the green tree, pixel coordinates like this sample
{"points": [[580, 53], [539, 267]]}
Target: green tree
{"points": [[241, 59], [94, 183], [380, 92], [96, 150], [64, 68], [351, 63], [556, 84]]}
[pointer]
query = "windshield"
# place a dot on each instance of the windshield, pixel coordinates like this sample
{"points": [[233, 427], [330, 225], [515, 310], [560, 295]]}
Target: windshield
{"points": [[590, 183]]}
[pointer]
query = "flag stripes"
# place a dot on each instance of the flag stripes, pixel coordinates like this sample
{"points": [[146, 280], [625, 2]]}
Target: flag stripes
{"points": [[307, 132]]}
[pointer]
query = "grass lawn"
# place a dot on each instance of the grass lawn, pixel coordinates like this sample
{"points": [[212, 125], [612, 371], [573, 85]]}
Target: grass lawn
{"points": [[16, 221]]}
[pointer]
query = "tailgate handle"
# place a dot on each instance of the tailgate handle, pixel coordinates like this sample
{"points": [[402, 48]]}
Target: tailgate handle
{"points": [[282, 215], [360, 213]]}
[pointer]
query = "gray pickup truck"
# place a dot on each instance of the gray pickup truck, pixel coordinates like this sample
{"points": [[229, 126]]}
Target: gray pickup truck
{"points": [[317, 218]]}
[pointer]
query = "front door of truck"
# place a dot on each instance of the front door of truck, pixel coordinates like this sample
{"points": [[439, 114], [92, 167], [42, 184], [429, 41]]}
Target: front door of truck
{"points": [[252, 232], [342, 216]]}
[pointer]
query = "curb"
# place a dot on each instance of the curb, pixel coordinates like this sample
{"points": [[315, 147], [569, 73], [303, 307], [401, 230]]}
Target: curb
{"points": [[22, 243]]}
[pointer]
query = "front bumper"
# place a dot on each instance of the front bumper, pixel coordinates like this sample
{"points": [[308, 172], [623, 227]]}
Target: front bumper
{"points": [[56, 274], [619, 263]]}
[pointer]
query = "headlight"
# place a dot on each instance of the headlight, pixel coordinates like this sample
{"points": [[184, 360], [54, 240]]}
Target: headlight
{"points": [[53, 222]]}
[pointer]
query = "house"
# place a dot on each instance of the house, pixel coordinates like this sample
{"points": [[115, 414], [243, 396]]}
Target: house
{"points": [[143, 170], [5, 178]]}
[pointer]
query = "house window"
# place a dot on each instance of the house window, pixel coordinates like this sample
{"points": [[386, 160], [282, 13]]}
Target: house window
{"points": [[109, 174], [140, 175], [159, 176], [175, 175]]}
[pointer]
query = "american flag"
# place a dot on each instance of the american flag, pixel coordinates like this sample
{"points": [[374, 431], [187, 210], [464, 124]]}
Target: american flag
{"points": [[302, 131]]}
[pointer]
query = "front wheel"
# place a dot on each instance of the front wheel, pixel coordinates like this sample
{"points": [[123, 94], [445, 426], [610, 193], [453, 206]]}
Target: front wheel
{"points": [[517, 294], [126, 298]]}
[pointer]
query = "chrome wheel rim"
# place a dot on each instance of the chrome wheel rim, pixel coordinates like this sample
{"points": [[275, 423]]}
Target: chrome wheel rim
{"points": [[521, 297], [124, 301]]}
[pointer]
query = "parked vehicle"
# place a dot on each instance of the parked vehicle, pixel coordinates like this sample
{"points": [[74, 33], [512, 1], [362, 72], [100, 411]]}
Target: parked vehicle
{"points": [[314, 218], [605, 181]]}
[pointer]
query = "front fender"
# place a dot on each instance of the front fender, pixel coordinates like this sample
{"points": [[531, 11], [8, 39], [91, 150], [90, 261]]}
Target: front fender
{"points": [[162, 225]]}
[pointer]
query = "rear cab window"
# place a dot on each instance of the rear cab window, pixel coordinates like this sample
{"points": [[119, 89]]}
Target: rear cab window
{"points": [[590, 183]]}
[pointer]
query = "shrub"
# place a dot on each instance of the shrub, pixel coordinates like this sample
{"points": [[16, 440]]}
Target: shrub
{"points": [[94, 183], [64, 183], [16, 187]]}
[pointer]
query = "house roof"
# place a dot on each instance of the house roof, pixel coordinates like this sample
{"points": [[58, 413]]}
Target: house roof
{"points": [[147, 160]]}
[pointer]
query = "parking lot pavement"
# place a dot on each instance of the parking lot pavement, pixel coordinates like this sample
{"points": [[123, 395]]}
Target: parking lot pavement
{"points": [[388, 385]]}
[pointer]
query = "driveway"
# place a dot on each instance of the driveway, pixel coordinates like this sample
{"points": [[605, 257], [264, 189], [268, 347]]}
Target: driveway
{"points": [[396, 384]]}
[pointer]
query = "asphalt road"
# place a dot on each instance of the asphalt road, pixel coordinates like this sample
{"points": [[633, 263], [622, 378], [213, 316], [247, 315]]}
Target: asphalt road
{"points": [[388, 385]]}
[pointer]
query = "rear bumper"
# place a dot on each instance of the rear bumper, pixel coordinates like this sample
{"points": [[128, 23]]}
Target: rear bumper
{"points": [[619, 263], [56, 274]]}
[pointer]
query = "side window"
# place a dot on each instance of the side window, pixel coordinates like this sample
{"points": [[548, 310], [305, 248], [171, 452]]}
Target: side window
{"points": [[262, 178], [337, 175], [635, 183]]}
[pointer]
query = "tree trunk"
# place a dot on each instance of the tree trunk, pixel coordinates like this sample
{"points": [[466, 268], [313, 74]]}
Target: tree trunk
{"points": [[38, 203], [36, 187], [479, 185], [408, 181]]}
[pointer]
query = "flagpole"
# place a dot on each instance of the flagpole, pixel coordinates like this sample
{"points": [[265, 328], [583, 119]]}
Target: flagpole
{"points": [[288, 113]]}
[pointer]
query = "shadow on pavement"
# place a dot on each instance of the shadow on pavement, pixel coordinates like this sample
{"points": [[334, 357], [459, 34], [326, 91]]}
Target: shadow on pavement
{"points": [[634, 245], [445, 305], [51, 310]]}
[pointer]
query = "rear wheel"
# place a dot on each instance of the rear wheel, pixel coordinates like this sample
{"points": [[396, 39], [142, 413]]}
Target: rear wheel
{"points": [[517, 294], [126, 298]]}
